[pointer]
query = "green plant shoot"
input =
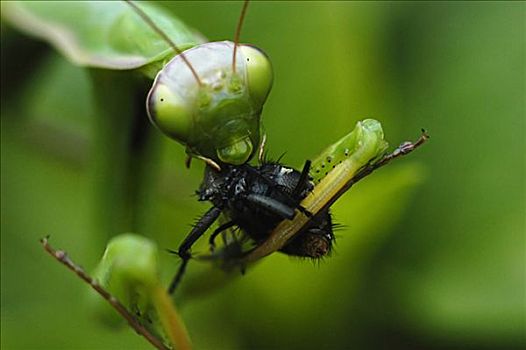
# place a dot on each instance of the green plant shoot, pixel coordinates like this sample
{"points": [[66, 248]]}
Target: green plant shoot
{"points": [[129, 270], [127, 277]]}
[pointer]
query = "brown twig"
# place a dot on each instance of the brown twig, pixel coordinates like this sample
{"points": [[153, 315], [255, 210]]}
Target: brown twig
{"points": [[62, 257], [402, 150]]}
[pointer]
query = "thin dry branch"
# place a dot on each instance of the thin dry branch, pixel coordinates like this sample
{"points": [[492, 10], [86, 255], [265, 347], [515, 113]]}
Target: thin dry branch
{"points": [[62, 257]]}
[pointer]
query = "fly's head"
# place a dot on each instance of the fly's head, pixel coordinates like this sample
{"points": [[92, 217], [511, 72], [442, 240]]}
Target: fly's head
{"points": [[315, 241]]}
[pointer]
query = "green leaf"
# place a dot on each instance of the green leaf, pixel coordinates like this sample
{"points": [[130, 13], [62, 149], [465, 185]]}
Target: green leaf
{"points": [[103, 34]]}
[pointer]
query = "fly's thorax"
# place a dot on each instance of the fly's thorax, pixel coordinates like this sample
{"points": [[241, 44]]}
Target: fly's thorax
{"points": [[218, 117], [226, 187], [287, 178]]}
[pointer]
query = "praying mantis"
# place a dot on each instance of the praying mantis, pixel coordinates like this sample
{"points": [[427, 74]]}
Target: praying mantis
{"points": [[209, 99], [227, 129]]}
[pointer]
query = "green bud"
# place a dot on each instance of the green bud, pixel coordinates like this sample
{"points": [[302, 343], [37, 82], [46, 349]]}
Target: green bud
{"points": [[129, 271]]}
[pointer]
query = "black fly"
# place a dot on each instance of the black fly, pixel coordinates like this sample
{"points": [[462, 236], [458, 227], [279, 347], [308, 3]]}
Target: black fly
{"points": [[256, 200]]}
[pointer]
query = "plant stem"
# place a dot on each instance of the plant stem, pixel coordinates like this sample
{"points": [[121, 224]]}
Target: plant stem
{"points": [[124, 154], [170, 320]]}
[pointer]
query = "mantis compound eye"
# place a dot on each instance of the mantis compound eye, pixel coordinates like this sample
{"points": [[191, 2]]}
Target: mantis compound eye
{"points": [[258, 72], [169, 112]]}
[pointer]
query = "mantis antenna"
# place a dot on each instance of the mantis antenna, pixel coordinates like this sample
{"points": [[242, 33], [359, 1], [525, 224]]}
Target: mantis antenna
{"points": [[238, 32], [165, 37]]}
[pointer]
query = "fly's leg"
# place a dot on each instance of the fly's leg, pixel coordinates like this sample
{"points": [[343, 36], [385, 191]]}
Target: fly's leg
{"points": [[184, 249], [300, 187], [220, 229], [270, 204]]}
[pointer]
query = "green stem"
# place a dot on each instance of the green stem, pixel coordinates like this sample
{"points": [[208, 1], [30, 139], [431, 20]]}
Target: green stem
{"points": [[170, 319], [123, 148]]}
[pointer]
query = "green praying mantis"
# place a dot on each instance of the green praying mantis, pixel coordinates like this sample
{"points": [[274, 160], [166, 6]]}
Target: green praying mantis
{"points": [[209, 99], [207, 96]]}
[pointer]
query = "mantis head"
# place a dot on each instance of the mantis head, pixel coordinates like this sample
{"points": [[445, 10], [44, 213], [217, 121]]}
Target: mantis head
{"points": [[218, 115]]}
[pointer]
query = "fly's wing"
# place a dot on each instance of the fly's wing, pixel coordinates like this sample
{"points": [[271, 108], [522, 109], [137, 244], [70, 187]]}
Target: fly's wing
{"points": [[232, 243], [102, 34]]}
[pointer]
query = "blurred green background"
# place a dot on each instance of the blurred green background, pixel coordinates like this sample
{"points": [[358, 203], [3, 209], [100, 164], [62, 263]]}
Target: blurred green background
{"points": [[432, 254]]}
